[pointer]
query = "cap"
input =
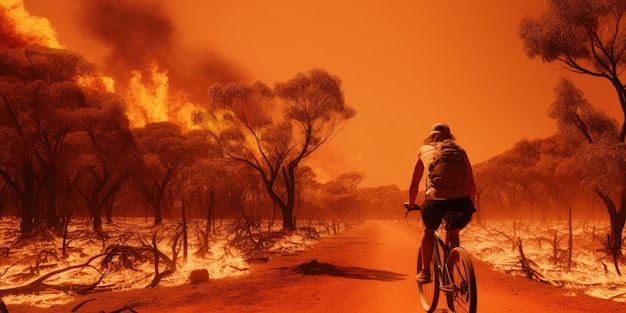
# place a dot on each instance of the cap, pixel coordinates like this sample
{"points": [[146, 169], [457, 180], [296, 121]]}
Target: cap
{"points": [[441, 127]]}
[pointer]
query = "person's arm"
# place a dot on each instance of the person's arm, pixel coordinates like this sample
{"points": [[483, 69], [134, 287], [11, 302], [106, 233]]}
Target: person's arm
{"points": [[415, 181], [470, 180]]}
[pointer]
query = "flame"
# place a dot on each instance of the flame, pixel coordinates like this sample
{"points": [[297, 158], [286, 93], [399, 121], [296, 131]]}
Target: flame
{"points": [[147, 93], [31, 29], [147, 102], [101, 83], [151, 101]]}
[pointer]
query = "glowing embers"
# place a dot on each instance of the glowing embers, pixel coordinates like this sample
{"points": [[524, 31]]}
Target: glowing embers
{"points": [[121, 257], [545, 246]]}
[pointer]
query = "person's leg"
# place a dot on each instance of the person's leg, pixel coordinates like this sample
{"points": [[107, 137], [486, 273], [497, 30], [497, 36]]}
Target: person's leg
{"points": [[427, 254], [431, 217], [428, 244]]}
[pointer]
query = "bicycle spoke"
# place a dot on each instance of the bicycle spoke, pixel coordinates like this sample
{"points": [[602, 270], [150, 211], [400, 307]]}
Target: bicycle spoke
{"points": [[463, 296]]}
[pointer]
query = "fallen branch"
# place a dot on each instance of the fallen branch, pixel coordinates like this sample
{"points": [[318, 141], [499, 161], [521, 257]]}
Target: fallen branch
{"points": [[38, 285], [529, 271]]}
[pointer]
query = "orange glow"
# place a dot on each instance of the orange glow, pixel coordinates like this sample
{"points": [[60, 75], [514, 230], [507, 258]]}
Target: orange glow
{"points": [[33, 29], [152, 101], [221, 261], [147, 102], [404, 66], [101, 83]]}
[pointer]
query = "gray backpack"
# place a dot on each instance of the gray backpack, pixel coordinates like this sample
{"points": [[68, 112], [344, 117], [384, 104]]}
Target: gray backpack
{"points": [[448, 169]]}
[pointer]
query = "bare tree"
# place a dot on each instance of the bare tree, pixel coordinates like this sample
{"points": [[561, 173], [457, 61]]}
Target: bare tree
{"points": [[272, 131], [587, 36], [111, 156], [166, 150]]}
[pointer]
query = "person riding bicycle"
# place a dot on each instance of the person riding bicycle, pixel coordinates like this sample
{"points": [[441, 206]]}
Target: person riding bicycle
{"points": [[449, 188]]}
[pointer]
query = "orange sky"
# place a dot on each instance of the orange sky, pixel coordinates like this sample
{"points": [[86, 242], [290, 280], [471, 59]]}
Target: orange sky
{"points": [[404, 66]]}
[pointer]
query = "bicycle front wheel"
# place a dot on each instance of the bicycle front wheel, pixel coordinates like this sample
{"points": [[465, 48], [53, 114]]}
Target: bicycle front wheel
{"points": [[463, 296], [429, 292]]}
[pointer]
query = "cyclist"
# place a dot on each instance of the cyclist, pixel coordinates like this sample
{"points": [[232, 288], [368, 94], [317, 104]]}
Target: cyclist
{"points": [[447, 190]]}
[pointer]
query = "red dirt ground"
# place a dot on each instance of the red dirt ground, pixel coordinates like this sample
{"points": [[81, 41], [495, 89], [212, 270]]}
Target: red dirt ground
{"points": [[371, 269]]}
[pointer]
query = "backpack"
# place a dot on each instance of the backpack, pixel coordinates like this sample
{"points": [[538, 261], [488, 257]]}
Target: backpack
{"points": [[448, 169]]}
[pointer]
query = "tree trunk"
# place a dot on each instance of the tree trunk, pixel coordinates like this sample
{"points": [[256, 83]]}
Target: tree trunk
{"points": [[158, 203], [27, 225], [615, 238], [28, 212], [52, 218], [210, 218], [621, 95], [184, 215], [617, 219], [108, 209], [290, 186], [288, 224], [27, 198], [97, 222]]}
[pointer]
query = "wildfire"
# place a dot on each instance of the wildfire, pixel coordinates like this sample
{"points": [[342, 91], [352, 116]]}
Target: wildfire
{"points": [[102, 83], [29, 29], [147, 102], [150, 100]]}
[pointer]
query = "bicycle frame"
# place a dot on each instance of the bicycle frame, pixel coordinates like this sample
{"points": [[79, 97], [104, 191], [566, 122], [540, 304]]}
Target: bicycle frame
{"points": [[443, 271], [454, 276]]}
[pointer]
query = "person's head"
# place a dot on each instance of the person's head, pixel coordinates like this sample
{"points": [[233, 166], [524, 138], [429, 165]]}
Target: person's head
{"points": [[439, 132]]}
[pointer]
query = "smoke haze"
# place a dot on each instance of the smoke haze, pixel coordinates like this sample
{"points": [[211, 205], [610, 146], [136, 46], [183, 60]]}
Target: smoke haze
{"points": [[140, 34]]}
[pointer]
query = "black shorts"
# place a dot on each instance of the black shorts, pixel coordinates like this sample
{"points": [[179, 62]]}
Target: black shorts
{"points": [[433, 210]]}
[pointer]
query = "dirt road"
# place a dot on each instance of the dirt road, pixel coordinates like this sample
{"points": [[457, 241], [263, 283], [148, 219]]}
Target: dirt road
{"points": [[368, 269]]}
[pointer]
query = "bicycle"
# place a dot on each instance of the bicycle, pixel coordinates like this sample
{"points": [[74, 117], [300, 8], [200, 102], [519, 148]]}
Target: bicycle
{"points": [[453, 274]]}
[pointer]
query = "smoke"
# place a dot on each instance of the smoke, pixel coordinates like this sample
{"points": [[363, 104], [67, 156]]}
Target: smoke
{"points": [[140, 34], [18, 28]]}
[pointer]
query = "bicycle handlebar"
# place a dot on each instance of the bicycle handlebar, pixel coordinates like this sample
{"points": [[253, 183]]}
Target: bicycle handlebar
{"points": [[406, 205]]}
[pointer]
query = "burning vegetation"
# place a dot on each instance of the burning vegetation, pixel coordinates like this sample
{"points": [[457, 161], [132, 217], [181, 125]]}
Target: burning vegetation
{"points": [[86, 152], [133, 175]]}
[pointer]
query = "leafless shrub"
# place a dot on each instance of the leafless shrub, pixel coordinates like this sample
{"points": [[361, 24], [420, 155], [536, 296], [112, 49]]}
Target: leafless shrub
{"points": [[40, 285], [614, 254], [122, 256]]}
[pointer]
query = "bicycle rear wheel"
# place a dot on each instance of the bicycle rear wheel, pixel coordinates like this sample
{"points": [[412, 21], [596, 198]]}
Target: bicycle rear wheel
{"points": [[463, 298], [429, 292]]}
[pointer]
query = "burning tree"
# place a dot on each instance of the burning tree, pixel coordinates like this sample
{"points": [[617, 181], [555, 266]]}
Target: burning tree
{"points": [[274, 130]]}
